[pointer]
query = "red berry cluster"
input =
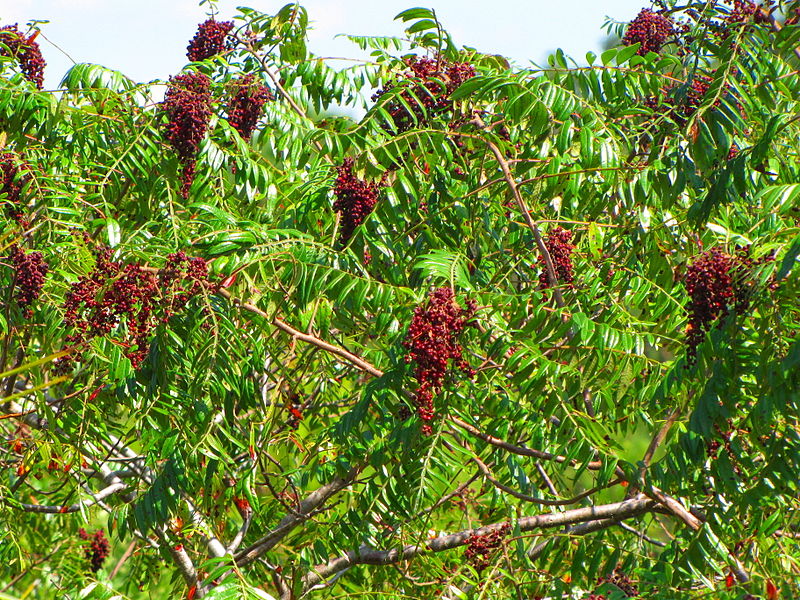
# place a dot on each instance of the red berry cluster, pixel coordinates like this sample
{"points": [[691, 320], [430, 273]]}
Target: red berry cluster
{"points": [[26, 51], [432, 341], [684, 107], [245, 107], [621, 580], [209, 40], [98, 548], [180, 279], [114, 294], [187, 105], [480, 548], [29, 273], [714, 446], [716, 282], [243, 506], [430, 83], [744, 10], [695, 94], [650, 29], [355, 199], [560, 250], [11, 182]]}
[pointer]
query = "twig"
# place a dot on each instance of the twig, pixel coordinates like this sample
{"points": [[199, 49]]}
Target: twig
{"points": [[125, 556], [307, 507], [537, 236], [520, 450], [488, 474], [71, 508], [305, 337]]}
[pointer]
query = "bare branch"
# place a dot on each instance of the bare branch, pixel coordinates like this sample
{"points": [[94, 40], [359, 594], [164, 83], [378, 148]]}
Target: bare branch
{"points": [[71, 508], [369, 556], [306, 508]]}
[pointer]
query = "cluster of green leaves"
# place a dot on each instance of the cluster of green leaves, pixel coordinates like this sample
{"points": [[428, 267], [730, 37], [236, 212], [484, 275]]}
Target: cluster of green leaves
{"points": [[211, 417]]}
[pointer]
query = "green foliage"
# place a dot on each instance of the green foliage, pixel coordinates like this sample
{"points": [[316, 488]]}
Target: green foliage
{"points": [[271, 439]]}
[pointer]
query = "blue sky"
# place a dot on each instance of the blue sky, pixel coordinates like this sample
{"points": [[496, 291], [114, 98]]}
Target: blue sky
{"points": [[146, 39]]}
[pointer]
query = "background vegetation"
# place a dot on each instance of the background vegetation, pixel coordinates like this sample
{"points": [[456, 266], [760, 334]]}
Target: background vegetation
{"points": [[527, 333]]}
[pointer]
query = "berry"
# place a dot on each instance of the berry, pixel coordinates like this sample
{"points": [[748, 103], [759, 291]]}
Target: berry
{"points": [[432, 342], [684, 107], [245, 107], [29, 273], [12, 179], [355, 199], [716, 283], [621, 580], [481, 547], [744, 10], [187, 105], [560, 250], [113, 295], [429, 83], [26, 51], [243, 506], [650, 29], [97, 550], [209, 40], [181, 279]]}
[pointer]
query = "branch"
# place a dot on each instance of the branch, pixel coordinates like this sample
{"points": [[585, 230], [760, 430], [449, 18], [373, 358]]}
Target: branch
{"points": [[239, 538], [520, 450], [537, 236], [674, 507], [307, 506], [370, 556], [576, 530], [305, 337], [71, 508]]}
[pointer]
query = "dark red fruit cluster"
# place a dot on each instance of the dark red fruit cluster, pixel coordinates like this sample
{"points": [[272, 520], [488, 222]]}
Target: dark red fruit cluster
{"points": [[29, 273], [695, 94], [744, 10], [432, 342], [650, 29], [26, 51], [480, 548], [621, 580], [210, 39], [96, 551], [723, 442], [11, 182], [247, 104], [187, 105], [560, 250], [430, 81], [355, 199], [683, 107], [716, 283], [180, 279], [114, 294]]}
